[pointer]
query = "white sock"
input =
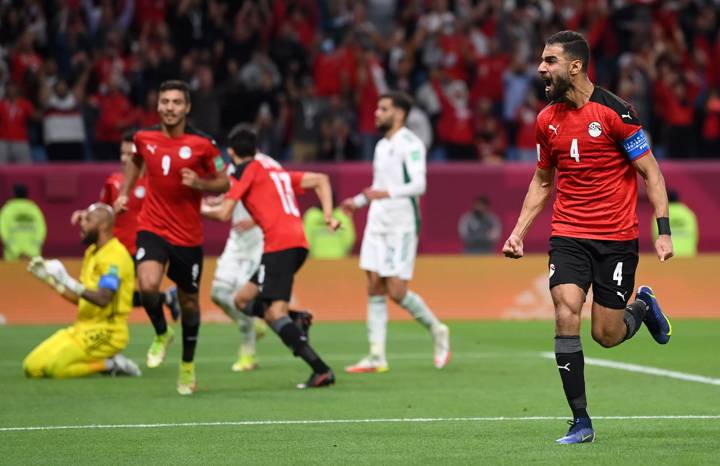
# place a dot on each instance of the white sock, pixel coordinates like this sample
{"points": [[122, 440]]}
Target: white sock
{"points": [[377, 325], [225, 298], [415, 305]]}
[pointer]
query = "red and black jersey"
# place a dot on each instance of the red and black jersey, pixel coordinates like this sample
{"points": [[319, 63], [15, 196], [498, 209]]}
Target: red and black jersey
{"points": [[172, 210], [592, 149], [268, 193], [125, 228]]}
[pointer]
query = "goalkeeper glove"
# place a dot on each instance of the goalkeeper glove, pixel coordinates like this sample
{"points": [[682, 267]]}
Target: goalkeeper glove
{"points": [[37, 268], [54, 274], [64, 281]]}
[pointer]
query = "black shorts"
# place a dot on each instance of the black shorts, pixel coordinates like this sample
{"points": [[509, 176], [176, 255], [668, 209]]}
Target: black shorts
{"points": [[185, 262], [608, 265], [277, 270]]}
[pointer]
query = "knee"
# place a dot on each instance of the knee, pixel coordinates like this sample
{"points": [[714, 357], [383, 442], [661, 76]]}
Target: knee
{"points": [[219, 294], [189, 302], [376, 288], [148, 283], [397, 295], [33, 367], [604, 337]]}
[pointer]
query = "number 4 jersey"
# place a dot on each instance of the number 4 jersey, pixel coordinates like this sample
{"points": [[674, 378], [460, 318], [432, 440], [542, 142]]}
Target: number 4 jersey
{"points": [[172, 210], [592, 148], [268, 192]]}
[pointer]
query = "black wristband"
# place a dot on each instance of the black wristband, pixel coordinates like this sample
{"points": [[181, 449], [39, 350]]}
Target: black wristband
{"points": [[663, 224]]}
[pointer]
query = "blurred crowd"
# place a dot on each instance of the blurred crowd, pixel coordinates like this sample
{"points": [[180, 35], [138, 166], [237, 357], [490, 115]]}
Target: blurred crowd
{"points": [[75, 74]]}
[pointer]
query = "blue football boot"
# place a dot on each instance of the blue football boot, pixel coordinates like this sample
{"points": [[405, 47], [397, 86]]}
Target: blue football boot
{"points": [[580, 431], [657, 323]]}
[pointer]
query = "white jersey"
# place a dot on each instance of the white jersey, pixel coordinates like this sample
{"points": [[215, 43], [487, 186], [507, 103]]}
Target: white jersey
{"points": [[248, 239], [398, 168]]}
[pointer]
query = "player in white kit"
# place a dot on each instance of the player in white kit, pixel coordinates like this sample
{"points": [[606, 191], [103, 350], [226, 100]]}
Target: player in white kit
{"points": [[390, 240], [239, 261]]}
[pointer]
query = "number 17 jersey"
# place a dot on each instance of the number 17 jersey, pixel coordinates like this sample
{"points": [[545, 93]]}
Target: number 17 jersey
{"points": [[268, 193]]}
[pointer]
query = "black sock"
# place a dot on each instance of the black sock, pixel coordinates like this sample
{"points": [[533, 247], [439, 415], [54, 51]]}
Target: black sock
{"points": [[571, 364], [153, 302], [255, 308], [634, 315], [137, 300], [190, 330], [303, 320], [294, 339]]}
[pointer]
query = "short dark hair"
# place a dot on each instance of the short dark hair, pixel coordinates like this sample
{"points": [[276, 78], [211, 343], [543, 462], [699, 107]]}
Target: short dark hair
{"points": [[20, 191], [128, 136], [574, 45], [399, 100], [243, 140], [482, 199], [176, 85]]}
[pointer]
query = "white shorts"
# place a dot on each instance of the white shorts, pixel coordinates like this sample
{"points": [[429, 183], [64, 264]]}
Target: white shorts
{"points": [[238, 262], [389, 254]]}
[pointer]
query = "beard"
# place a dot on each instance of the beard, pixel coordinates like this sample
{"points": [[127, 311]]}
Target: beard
{"points": [[90, 237], [384, 126], [557, 88]]}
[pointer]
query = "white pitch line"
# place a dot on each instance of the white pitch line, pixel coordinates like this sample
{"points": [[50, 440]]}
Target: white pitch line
{"points": [[645, 370], [291, 422]]}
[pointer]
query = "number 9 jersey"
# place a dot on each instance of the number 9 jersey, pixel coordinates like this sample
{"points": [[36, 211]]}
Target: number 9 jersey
{"points": [[172, 210], [268, 193]]}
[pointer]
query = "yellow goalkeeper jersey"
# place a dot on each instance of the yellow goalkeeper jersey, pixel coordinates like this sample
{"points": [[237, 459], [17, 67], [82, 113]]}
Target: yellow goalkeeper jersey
{"points": [[108, 267]]}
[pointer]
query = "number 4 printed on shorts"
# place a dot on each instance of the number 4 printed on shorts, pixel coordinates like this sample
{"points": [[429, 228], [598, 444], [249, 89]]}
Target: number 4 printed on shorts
{"points": [[617, 274]]}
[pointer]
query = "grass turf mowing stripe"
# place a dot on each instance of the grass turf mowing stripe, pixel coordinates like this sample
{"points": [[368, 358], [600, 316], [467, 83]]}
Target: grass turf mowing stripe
{"points": [[645, 370], [349, 421]]}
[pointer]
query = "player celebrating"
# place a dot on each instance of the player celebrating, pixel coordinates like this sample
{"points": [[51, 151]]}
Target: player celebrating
{"points": [[268, 193], [125, 227], [180, 164], [390, 240], [595, 143], [104, 299]]}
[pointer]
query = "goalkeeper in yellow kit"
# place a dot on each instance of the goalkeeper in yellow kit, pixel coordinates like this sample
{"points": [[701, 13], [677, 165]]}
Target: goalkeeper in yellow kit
{"points": [[104, 298]]}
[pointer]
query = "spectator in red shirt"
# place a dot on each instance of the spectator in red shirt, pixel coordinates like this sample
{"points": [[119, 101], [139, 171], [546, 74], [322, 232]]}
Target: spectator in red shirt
{"points": [[115, 117], [525, 136], [15, 112], [455, 124], [370, 85], [147, 115], [24, 59], [711, 125]]}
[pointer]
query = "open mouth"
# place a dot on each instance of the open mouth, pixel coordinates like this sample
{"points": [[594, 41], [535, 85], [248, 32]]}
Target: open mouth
{"points": [[548, 83]]}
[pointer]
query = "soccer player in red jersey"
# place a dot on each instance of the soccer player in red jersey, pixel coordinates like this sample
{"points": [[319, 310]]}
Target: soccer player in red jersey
{"points": [[180, 163], [593, 140], [268, 193]]}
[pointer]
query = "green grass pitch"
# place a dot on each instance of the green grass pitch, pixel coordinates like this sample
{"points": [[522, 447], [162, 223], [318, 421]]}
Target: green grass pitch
{"points": [[412, 414]]}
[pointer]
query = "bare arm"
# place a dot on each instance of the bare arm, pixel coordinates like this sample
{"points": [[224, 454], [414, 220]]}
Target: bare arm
{"points": [[218, 184], [650, 171], [321, 184], [537, 196], [132, 173], [220, 211], [101, 297]]}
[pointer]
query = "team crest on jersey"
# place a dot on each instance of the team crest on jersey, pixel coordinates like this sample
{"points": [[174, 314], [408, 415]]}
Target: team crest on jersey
{"points": [[140, 192], [594, 129], [185, 152]]}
